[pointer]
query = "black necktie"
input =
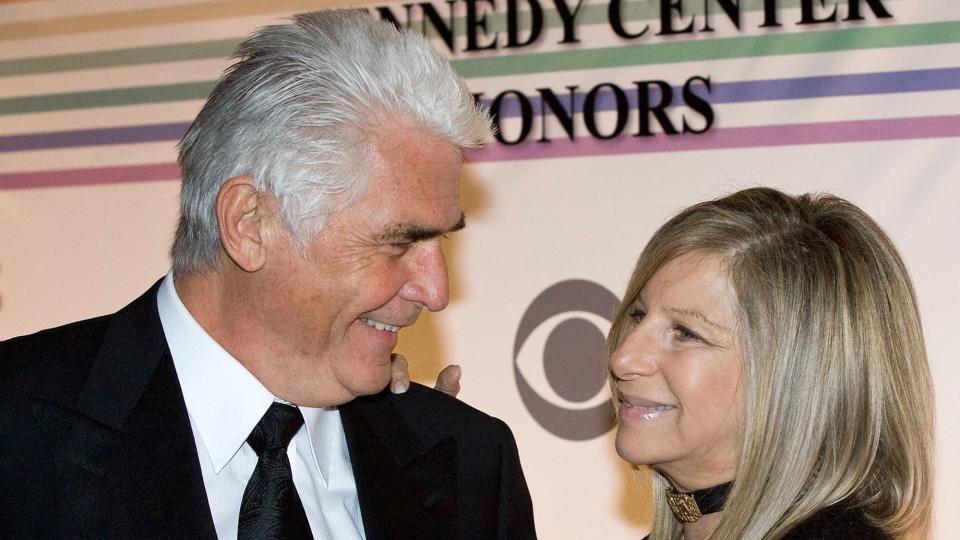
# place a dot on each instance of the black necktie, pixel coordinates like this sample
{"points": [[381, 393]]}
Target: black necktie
{"points": [[271, 507]]}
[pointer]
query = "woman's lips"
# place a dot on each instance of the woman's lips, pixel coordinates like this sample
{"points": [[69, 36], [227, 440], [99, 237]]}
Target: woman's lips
{"points": [[640, 408]]}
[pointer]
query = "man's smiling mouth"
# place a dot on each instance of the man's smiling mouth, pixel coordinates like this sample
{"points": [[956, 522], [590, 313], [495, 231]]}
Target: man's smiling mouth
{"points": [[379, 325]]}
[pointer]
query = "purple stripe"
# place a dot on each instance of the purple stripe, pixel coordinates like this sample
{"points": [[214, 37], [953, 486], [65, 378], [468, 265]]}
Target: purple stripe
{"points": [[923, 80], [87, 177], [739, 137], [94, 137]]}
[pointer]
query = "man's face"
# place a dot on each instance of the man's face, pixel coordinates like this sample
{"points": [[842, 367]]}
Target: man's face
{"points": [[369, 273]]}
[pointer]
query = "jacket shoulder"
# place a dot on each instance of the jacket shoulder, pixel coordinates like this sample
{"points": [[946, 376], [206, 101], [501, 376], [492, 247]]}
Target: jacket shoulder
{"points": [[451, 414], [64, 352], [61, 358], [488, 461]]}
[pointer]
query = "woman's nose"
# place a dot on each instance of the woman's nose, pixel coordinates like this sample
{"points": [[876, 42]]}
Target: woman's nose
{"points": [[636, 356]]}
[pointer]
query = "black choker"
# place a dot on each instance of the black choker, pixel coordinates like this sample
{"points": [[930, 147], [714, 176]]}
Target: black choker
{"points": [[689, 507]]}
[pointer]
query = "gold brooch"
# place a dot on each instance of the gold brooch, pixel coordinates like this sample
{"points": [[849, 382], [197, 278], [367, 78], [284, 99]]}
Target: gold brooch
{"points": [[683, 505]]}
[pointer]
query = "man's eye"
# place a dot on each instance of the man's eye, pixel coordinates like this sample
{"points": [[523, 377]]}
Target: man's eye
{"points": [[399, 247]]}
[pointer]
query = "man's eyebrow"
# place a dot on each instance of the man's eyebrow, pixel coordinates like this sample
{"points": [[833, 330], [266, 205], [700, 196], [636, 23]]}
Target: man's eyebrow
{"points": [[699, 316], [415, 233]]}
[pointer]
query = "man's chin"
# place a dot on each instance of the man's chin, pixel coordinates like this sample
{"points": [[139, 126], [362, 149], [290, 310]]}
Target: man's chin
{"points": [[374, 383], [338, 390]]}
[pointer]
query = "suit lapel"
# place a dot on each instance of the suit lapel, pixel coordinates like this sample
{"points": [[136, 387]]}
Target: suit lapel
{"points": [[130, 462], [406, 484]]}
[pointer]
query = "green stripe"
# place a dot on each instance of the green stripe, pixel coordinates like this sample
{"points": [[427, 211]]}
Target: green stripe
{"points": [[106, 98], [713, 49], [120, 57], [589, 14], [640, 54]]}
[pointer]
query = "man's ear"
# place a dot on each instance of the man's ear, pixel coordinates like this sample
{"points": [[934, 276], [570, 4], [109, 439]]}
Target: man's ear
{"points": [[242, 219]]}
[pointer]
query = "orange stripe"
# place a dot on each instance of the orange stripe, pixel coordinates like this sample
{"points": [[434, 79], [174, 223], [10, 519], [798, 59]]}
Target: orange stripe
{"points": [[204, 11]]}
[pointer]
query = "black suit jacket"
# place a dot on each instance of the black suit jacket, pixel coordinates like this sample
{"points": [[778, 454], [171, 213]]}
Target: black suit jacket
{"points": [[95, 442]]}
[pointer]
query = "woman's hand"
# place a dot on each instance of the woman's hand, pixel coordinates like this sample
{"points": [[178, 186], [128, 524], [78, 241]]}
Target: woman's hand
{"points": [[448, 380]]}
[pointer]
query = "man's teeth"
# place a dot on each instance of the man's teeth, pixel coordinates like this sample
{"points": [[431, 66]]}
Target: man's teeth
{"points": [[380, 326]]}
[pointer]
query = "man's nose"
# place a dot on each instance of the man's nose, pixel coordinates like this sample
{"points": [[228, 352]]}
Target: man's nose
{"points": [[636, 356], [427, 282]]}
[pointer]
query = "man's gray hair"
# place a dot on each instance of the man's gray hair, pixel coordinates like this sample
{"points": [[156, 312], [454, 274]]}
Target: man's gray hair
{"points": [[297, 113]]}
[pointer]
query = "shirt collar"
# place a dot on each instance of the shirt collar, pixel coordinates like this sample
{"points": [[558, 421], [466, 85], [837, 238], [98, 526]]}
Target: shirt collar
{"points": [[328, 443], [224, 400]]}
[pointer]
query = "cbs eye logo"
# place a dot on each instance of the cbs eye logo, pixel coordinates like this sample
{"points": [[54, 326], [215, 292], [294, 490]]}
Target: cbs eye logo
{"points": [[558, 359]]}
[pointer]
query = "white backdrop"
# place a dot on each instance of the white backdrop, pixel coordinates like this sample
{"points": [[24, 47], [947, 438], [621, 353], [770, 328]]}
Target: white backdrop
{"points": [[92, 95]]}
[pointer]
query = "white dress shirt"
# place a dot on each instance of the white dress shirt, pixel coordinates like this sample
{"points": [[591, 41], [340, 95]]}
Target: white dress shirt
{"points": [[225, 402]]}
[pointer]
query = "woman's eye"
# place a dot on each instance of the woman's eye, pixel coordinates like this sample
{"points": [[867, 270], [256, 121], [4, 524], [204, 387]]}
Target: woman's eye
{"points": [[684, 334], [637, 315]]}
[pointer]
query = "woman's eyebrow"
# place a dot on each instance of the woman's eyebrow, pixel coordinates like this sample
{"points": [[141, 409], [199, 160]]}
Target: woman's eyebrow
{"points": [[699, 316]]}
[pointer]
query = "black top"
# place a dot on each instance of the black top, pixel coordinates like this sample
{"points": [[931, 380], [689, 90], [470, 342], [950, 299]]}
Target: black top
{"points": [[835, 523]]}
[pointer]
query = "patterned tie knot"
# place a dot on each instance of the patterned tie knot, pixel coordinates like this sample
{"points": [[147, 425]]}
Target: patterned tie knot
{"points": [[274, 431]]}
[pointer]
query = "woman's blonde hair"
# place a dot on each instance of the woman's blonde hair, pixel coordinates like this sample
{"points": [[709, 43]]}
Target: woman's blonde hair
{"points": [[838, 398]]}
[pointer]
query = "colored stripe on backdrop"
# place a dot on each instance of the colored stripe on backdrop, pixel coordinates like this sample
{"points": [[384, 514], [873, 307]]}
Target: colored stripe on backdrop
{"points": [[705, 49], [206, 11], [88, 177], [924, 80], [731, 92], [94, 137], [713, 49], [643, 54], [730, 138], [722, 138], [133, 56], [137, 18], [106, 98]]}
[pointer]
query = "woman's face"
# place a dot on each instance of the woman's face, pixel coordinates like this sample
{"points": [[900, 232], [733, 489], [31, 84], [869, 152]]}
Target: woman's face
{"points": [[678, 375]]}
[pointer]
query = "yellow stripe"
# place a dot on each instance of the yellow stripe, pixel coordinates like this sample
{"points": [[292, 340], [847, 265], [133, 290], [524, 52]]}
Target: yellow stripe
{"points": [[120, 20]]}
